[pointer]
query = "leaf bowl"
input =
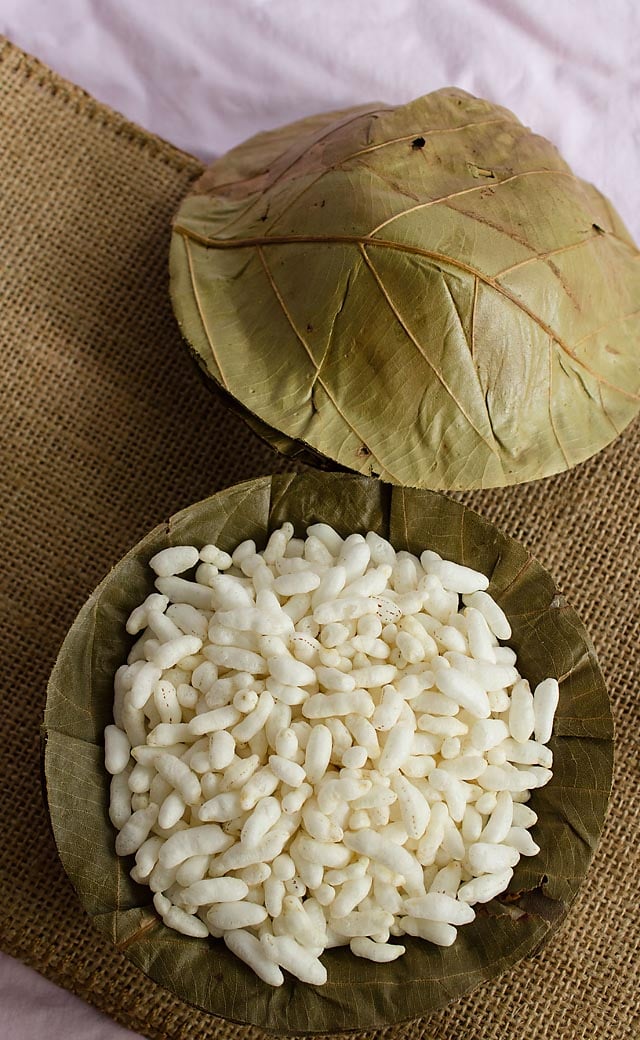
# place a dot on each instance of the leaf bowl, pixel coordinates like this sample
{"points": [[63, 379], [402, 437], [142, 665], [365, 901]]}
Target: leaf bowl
{"points": [[549, 640]]}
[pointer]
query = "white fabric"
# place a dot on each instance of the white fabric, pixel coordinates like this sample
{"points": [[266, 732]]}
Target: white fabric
{"points": [[32, 1008], [206, 75]]}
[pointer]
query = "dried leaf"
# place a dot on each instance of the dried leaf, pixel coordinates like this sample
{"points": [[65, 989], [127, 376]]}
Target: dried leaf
{"points": [[425, 293], [549, 639]]}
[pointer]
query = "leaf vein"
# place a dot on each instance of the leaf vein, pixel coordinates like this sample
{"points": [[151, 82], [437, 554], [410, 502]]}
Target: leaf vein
{"points": [[601, 328], [468, 191], [316, 139], [474, 307], [304, 344], [376, 147], [551, 419], [358, 240], [545, 256], [421, 133], [606, 413], [412, 339], [196, 297], [331, 331]]}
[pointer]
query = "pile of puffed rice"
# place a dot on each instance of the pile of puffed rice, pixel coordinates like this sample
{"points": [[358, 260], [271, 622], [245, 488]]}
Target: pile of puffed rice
{"points": [[322, 744]]}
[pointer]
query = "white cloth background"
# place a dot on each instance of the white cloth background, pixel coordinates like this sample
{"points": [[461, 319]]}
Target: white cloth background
{"points": [[207, 75]]}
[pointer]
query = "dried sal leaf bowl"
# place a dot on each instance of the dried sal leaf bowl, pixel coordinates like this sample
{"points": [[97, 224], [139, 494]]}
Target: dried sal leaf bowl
{"points": [[548, 640]]}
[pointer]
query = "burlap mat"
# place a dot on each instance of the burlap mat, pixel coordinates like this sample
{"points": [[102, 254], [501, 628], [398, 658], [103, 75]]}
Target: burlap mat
{"points": [[106, 428]]}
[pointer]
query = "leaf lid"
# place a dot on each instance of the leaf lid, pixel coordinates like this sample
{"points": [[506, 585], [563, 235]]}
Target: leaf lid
{"points": [[424, 293]]}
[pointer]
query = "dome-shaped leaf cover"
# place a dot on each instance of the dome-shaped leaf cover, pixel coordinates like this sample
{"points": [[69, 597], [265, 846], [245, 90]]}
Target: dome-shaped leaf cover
{"points": [[425, 293]]}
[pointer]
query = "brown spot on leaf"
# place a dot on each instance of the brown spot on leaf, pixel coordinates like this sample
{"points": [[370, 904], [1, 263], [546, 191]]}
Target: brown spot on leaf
{"points": [[417, 143], [481, 171]]}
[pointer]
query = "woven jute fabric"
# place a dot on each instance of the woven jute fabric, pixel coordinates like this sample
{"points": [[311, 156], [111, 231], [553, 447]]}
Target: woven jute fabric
{"points": [[107, 428]]}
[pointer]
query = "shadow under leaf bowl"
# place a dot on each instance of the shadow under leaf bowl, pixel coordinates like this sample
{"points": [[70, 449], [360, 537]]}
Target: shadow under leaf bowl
{"points": [[548, 638]]}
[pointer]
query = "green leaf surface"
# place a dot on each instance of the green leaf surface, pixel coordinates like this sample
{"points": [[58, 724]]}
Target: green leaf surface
{"points": [[549, 639], [424, 293]]}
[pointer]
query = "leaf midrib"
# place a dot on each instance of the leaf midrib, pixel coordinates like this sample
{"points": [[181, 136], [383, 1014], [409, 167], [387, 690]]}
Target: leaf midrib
{"points": [[365, 240]]}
